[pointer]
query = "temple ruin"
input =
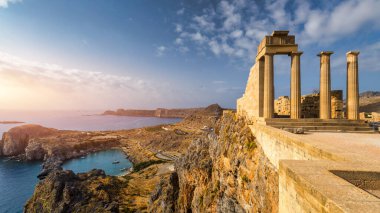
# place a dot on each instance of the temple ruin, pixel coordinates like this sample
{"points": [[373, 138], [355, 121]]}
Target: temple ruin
{"points": [[334, 166], [258, 104]]}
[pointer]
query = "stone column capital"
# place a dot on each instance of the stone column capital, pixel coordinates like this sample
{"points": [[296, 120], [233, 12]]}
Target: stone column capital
{"points": [[355, 53], [269, 54], [327, 53], [296, 53]]}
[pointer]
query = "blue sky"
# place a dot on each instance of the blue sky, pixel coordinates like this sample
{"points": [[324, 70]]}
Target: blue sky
{"points": [[101, 54]]}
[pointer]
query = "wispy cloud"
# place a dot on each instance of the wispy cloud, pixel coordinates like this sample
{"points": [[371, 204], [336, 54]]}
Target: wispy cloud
{"points": [[37, 85], [218, 82], [226, 32], [160, 50], [346, 18], [5, 3], [181, 11]]}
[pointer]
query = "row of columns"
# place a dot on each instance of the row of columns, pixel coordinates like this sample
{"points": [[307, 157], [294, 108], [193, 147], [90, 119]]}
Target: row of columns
{"points": [[295, 86], [352, 100], [352, 105]]}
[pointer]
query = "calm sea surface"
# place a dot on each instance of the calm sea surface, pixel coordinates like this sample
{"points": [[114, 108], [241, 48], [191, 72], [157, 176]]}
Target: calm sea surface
{"points": [[17, 179]]}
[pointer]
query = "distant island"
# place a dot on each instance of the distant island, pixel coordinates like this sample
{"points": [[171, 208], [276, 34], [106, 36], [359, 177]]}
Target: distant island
{"points": [[159, 112], [11, 122]]}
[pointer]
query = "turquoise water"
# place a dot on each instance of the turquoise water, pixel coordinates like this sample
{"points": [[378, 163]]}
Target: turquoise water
{"points": [[100, 160], [17, 179]]}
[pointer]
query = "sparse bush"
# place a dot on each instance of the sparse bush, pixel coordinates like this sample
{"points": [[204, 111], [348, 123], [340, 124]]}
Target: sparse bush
{"points": [[245, 179], [154, 128], [250, 145], [140, 166]]}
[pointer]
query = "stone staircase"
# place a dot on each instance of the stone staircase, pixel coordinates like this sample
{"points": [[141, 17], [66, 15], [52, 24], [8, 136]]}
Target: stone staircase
{"points": [[320, 125]]}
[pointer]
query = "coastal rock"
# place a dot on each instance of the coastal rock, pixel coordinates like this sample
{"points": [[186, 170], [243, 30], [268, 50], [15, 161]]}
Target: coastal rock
{"points": [[34, 151], [64, 191], [16, 139], [51, 164], [228, 172]]}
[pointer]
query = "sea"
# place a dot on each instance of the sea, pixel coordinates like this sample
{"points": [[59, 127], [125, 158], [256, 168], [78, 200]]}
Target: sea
{"points": [[18, 179]]}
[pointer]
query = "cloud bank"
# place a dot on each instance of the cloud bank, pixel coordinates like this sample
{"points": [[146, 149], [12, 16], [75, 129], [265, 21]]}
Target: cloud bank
{"points": [[28, 84], [5, 3], [234, 28]]}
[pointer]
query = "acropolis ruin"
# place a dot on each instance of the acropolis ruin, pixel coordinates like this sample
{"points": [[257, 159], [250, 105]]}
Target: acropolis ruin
{"points": [[331, 166], [258, 99]]}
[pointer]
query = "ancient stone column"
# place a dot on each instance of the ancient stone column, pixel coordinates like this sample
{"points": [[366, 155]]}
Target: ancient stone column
{"points": [[268, 87], [325, 86], [295, 85], [352, 85]]}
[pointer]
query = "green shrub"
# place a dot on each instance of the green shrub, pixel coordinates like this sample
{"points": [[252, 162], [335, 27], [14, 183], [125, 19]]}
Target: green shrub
{"points": [[245, 179], [140, 166], [250, 144]]}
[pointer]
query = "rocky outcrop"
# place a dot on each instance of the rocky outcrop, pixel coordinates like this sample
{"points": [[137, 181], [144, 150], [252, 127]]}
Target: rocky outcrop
{"points": [[64, 191], [166, 113], [34, 142], [165, 195], [16, 139], [228, 172], [34, 151]]}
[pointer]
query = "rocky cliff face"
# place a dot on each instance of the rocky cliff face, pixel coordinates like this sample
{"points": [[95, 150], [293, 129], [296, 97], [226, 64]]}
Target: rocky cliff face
{"points": [[35, 142], [16, 140], [64, 191], [225, 173]]}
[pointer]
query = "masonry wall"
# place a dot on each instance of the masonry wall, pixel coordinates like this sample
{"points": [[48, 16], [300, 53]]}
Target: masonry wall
{"points": [[248, 105], [295, 194], [310, 105]]}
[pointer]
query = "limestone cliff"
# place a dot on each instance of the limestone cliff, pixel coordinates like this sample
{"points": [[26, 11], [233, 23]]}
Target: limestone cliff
{"points": [[17, 139], [35, 142], [227, 172]]}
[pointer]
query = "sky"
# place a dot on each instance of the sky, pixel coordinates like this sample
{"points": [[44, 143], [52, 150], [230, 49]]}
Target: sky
{"points": [[109, 54]]}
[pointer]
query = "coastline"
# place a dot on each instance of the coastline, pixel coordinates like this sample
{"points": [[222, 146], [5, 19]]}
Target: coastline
{"points": [[11, 122], [146, 148]]}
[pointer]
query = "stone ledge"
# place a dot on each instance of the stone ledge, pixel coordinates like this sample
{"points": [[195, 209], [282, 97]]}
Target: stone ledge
{"points": [[318, 190]]}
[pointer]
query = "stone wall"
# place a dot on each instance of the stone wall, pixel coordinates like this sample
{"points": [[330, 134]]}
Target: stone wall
{"points": [[310, 105], [282, 105], [337, 104], [248, 105], [370, 116]]}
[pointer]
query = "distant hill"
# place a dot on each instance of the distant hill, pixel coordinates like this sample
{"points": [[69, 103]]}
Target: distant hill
{"points": [[369, 94], [213, 109], [369, 101]]}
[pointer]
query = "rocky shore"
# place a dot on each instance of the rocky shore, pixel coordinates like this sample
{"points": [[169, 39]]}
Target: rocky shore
{"points": [[152, 150]]}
